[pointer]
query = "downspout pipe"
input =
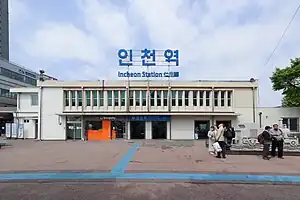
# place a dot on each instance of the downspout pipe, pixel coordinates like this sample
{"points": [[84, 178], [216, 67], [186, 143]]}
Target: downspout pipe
{"points": [[253, 104], [40, 113]]}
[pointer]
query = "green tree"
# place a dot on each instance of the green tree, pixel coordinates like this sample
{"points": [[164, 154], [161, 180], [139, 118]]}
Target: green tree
{"points": [[287, 80]]}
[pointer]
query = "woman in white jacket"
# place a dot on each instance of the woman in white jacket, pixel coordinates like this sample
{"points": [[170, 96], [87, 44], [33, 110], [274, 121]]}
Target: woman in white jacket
{"points": [[211, 139]]}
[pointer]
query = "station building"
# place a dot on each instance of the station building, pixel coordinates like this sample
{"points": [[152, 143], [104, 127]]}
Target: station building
{"points": [[104, 110]]}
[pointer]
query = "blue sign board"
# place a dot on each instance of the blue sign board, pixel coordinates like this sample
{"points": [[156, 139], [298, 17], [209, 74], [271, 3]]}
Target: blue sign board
{"points": [[148, 57], [149, 118]]}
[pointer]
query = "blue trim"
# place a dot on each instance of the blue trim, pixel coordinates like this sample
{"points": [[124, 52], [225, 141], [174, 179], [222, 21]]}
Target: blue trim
{"points": [[151, 176], [123, 163]]}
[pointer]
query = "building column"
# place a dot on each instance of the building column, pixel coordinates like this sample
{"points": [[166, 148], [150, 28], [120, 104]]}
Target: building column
{"points": [[168, 130], [148, 130], [128, 130]]}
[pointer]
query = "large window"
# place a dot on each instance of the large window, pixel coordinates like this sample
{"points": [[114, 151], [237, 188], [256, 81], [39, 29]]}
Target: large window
{"points": [[159, 98], [123, 98], [116, 98], [152, 97], [34, 100], [173, 98], [180, 98], [94, 93], [109, 98], [165, 97], [229, 98], [137, 98], [207, 98], [67, 98], [195, 98], [292, 123], [144, 98], [186, 98], [216, 98], [131, 98], [222, 98], [88, 97], [101, 98], [79, 98], [73, 98], [201, 96]]}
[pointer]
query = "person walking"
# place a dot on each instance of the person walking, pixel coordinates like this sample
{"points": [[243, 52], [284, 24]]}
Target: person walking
{"points": [[219, 137], [277, 141], [211, 139], [267, 140]]}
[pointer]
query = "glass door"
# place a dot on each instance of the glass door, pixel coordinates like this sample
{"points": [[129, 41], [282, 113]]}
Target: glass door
{"points": [[73, 131]]}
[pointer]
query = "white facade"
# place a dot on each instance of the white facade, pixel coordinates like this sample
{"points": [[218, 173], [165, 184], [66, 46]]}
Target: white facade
{"points": [[186, 103]]}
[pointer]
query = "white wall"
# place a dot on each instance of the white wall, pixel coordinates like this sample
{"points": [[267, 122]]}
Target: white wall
{"points": [[29, 128], [53, 127], [25, 103]]}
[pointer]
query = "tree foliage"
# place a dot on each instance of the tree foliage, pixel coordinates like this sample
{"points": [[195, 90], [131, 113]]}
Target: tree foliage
{"points": [[287, 80]]}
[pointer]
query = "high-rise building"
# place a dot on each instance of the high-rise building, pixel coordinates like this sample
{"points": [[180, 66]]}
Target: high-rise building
{"points": [[4, 32]]}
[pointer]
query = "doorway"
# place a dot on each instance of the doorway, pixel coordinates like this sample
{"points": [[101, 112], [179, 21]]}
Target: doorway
{"points": [[226, 123], [119, 127], [202, 128], [36, 124], [137, 129], [73, 131], [159, 129]]}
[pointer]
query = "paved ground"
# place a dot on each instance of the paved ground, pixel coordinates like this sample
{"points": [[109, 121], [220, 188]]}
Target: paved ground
{"points": [[151, 156], [145, 191], [29, 155]]}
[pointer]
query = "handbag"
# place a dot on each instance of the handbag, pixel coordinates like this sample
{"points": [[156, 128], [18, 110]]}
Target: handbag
{"points": [[216, 145]]}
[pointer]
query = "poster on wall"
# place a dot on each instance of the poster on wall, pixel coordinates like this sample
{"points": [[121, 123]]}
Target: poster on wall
{"points": [[8, 130], [14, 130], [21, 131]]}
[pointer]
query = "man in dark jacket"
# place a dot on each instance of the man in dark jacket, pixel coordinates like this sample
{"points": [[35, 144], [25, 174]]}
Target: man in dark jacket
{"points": [[267, 140]]}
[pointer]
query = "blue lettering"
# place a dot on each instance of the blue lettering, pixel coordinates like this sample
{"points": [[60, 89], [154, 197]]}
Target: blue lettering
{"points": [[148, 57], [125, 57], [172, 56]]}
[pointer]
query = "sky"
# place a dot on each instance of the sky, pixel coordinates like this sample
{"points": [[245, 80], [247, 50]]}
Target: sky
{"points": [[217, 39]]}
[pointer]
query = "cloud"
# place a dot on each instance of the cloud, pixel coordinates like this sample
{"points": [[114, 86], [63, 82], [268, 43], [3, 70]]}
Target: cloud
{"points": [[217, 39], [55, 41]]}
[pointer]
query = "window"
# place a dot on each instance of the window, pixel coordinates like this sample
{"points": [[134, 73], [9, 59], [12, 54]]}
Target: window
{"points": [[94, 125], [195, 94], [73, 98], [116, 97], [34, 100], [137, 98], [88, 97], [101, 98], [152, 98], [229, 97], [207, 98], [216, 95], [79, 98], [165, 97], [109, 98], [144, 98], [186, 98], [123, 98], [131, 98], [292, 123], [222, 98], [94, 93], [173, 98], [180, 98], [159, 98], [67, 98], [201, 95]]}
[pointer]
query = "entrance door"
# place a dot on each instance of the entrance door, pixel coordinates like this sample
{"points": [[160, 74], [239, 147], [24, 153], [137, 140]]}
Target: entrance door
{"points": [[159, 129], [36, 129], [119, 127], [202, 128], [226, 123], [137, 129], [73, 131]]}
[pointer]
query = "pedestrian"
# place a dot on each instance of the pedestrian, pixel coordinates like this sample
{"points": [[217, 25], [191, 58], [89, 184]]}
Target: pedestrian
{"points": [[219, 137], [266, 141], [229, 135], [211, 139], [277, 141]]}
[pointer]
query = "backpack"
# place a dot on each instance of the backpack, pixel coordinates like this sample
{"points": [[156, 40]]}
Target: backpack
{"points": [[260, 138]]}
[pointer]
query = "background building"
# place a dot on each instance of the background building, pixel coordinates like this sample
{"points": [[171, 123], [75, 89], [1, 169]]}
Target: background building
{"points": [[4, 30]]}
